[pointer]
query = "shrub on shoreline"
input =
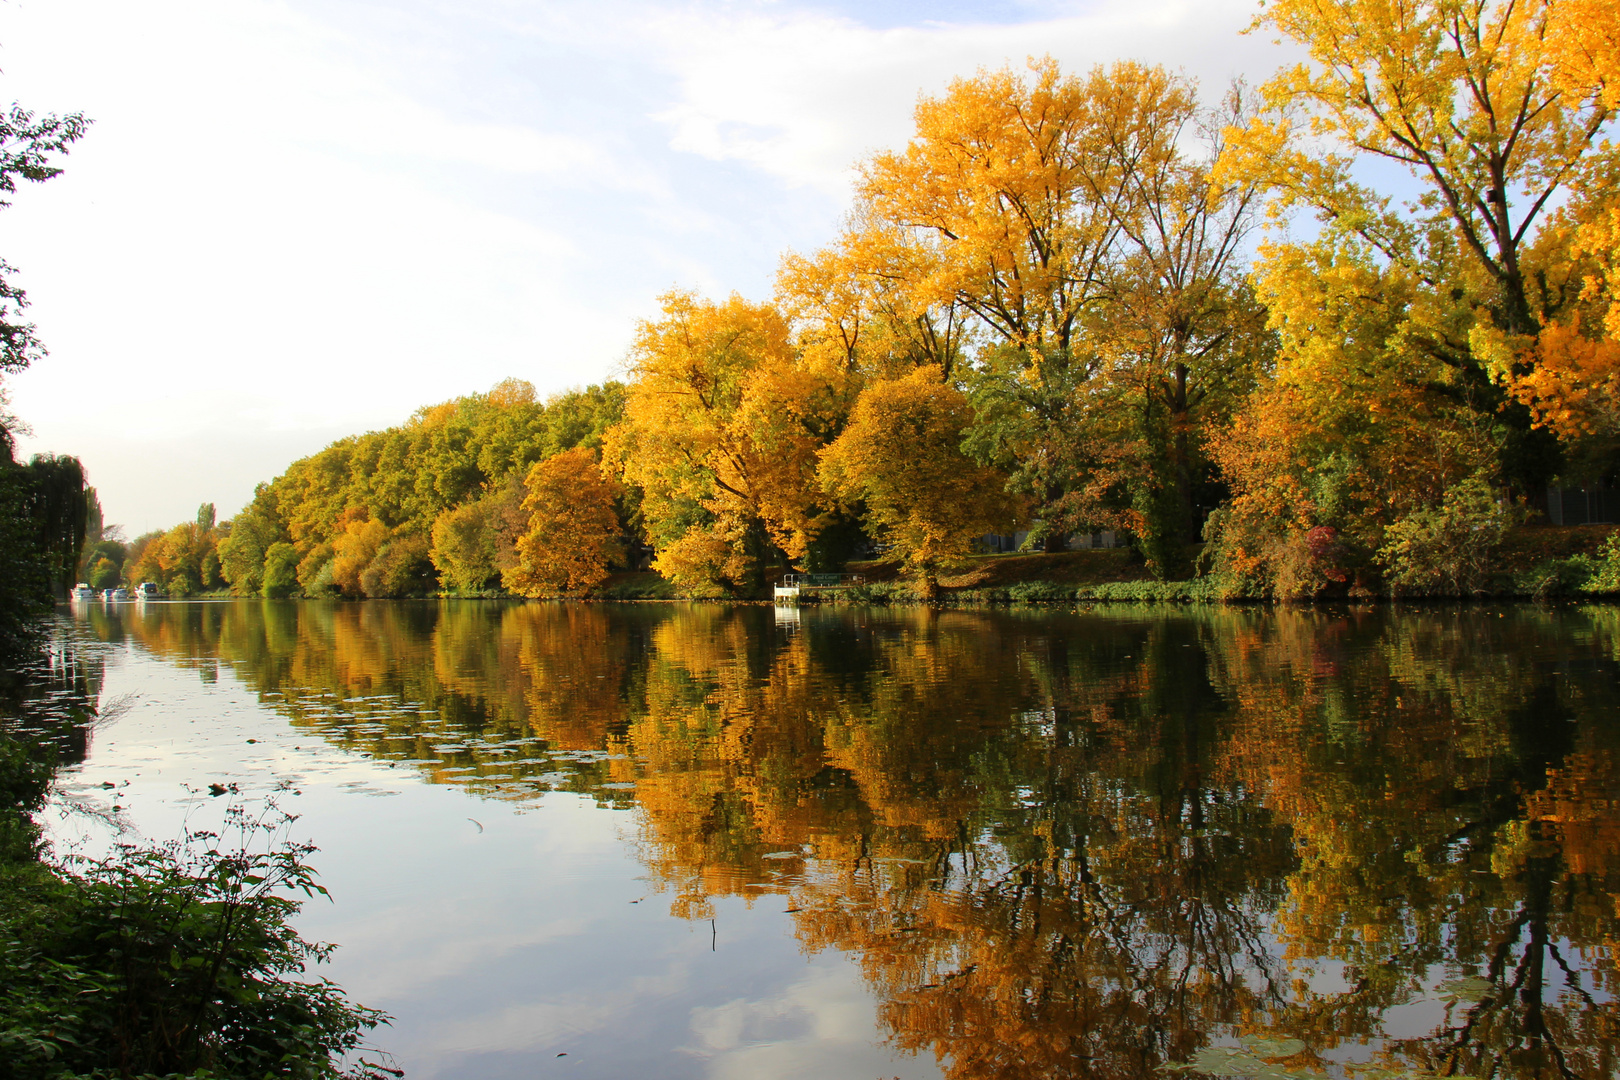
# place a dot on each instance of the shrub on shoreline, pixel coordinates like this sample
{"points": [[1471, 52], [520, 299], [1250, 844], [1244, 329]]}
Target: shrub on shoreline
{"points": [[177, 960], [1580, 574]]}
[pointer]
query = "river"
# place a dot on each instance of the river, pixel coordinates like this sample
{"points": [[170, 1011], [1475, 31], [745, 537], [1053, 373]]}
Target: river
{"points": [[662, 840]]}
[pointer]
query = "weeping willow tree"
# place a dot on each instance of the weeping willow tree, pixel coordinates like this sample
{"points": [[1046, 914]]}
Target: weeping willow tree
{"points": [[59, 507], [44, 511], [24, 576]]}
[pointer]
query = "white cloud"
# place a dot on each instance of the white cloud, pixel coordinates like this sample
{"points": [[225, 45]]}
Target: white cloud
{"points": [[804, 95]]}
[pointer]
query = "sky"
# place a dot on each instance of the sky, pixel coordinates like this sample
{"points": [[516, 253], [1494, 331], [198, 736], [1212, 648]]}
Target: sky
{"points": [[294, 220]]}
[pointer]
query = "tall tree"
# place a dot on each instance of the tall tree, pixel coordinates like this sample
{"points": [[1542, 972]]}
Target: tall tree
{"points": [[1065, 236], [1180, 341], [1464, 96], [1017, 191], [901, 459], [58, 506], [44, 504], [720, 430]]}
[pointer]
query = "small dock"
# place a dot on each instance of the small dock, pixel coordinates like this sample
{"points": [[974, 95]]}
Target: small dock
{"points": [[794, 586]]}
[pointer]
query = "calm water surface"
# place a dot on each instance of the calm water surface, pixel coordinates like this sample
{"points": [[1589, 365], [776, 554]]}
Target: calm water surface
{"points": [[690, 841]]}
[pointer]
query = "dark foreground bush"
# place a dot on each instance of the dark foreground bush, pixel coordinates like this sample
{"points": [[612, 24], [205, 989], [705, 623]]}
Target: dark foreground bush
{"points": [[171, 961]]}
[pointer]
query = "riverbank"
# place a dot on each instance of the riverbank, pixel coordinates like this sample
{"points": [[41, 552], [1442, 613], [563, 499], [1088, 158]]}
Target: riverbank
{"points": [[1533, 563]]}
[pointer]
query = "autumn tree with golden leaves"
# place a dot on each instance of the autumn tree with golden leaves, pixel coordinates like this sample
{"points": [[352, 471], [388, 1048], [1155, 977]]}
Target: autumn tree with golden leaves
{"points": [[573, 536], [1408, 329], [1054, 246], [721, 433], [900, 458]]}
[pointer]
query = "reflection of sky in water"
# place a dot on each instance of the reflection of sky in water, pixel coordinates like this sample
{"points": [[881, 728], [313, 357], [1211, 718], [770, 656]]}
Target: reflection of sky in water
{"points": [[495, 950]]}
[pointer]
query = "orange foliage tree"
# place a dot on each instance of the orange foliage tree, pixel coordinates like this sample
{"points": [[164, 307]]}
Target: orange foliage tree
{"points": [[721, 432], [1057, 246], [1354, 431], [1406, 328], [901, 458], [1014, 199], [573, 534], [354, 548], [1573, 386]]}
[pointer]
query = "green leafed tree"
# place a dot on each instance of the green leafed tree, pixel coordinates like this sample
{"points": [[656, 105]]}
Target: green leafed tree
{"points": [[474, 542], [253, 532], [279, 577]]}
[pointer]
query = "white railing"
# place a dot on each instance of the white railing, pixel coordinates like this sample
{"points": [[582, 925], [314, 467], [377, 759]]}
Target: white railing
{"points": [[820, 581]]}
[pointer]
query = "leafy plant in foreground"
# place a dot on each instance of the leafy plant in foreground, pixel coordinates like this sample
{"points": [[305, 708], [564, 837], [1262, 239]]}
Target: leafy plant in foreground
{"points": [[173, 960]]}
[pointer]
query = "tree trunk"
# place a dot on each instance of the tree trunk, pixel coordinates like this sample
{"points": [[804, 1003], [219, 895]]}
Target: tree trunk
{"points": [[756, 545], [1181, 457], [929, 585]]}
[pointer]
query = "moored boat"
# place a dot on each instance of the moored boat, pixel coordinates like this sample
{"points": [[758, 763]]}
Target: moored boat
{"points": [[83, 593], [146, 590], [116, 596]]}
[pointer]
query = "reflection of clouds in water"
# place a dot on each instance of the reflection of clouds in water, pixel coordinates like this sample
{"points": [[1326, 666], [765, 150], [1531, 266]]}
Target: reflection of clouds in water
{"points": [[360, 787], [558, 1022], [470, 904], [1417, 1019], [819, 1026], [466, 941]]}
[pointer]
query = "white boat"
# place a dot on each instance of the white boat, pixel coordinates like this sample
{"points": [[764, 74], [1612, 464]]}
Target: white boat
{"points": [[146, 590], [83, 593], [115, 596]]}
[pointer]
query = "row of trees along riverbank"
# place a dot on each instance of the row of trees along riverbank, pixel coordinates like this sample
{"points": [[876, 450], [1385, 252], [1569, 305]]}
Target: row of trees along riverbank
{"points": [[1060, 306]]}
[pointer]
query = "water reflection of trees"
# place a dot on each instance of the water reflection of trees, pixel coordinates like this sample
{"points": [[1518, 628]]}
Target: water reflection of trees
{"points": [[51, 701], [1060, 844]]}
